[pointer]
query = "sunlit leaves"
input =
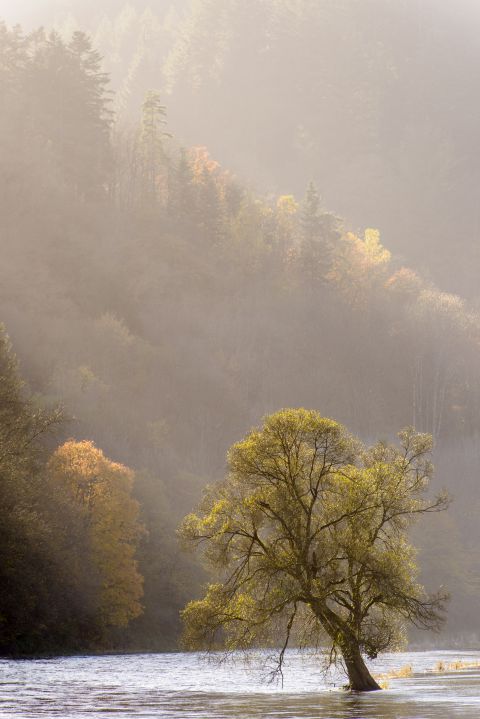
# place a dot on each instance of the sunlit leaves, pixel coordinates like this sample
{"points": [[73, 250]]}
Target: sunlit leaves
{"points": [[360, 266], [101, 491], [308, 516]]}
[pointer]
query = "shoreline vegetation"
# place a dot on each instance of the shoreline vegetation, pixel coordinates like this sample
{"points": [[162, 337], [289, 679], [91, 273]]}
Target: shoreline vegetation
{"points": [[441, 667]]}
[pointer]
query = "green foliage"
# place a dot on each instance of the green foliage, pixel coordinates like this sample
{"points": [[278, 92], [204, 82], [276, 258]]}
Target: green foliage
{"points": [[321, 233], [58, 112], [308, 517], [68, 536], [25, 538]]}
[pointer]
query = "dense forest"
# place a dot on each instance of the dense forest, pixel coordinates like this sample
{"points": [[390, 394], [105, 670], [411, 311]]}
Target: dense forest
{"points": [[159, 306], [375, 101]]}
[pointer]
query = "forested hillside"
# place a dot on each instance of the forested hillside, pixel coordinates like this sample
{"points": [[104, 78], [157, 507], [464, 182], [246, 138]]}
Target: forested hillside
{"points": [[167, 307], [376, 101]]}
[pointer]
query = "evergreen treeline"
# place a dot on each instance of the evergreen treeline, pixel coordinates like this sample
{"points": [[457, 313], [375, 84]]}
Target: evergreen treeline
{"points": [[169, 308]]}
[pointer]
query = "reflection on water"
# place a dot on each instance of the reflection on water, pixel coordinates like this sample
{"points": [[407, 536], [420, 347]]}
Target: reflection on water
{"points": [[174, 686]]}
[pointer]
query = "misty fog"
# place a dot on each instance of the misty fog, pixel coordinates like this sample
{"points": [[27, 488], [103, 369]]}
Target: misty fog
{"points": [[211, 210]]}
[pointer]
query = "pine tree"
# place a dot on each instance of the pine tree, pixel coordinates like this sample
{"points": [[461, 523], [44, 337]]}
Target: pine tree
{"points": [[154, 158], [92, 115], [68, 114], [320, 232], [180, 189]]}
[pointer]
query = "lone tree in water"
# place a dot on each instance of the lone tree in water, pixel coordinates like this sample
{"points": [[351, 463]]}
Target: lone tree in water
{"points": [[308, 533]]}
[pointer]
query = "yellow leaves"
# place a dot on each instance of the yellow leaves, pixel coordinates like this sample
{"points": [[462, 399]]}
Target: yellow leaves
{"points": [[287, 427], [214, 524], [368, 252], [359, 265], [83, 459], [254, 500], [87, 472], [188, 530], [374, 251], [217, 519], [242, 606], [234, 614], [100, 490], [287, 205], [309, 516]]}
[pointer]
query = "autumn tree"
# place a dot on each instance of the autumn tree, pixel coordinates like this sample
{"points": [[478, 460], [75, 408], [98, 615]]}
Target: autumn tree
{"points": [[360, 266], [208, 182], [308, 534], [101, 491], [68, 534]]}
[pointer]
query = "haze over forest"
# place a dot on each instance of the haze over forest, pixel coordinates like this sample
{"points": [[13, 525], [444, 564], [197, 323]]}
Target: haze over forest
{"points": [[211, 210]]}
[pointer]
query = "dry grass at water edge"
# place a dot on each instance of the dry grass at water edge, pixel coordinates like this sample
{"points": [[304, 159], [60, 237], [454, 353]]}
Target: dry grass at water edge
{"points": [[455, 666], [439, 668], [402, 673]]}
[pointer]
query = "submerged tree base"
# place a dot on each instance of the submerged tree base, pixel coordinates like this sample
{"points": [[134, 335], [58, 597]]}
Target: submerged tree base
{"points": [[360, 679], [370, 687]]}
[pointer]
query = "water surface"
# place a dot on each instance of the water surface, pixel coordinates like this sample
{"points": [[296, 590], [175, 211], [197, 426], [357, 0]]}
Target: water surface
{"points": [[174, 686]]}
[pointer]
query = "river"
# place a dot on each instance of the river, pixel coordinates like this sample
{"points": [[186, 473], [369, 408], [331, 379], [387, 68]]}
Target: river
{"points": [[187, 686]]}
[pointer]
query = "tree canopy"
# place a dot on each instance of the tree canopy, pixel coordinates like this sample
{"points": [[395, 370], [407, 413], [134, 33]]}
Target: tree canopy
{"points": [[100, 492], [69, 531], [309, 531]]}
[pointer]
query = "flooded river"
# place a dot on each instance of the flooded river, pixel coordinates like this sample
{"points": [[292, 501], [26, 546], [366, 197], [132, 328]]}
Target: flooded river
{"points": [[170, 686]]}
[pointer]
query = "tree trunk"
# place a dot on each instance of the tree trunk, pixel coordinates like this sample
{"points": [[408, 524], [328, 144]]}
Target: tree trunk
{"points": [[360, 679]]}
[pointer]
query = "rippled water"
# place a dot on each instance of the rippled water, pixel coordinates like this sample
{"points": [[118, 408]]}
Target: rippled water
{"points": [[188, 686]]}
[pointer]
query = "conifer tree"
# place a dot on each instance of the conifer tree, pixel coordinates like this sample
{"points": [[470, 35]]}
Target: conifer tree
{"points": [[152, 136], [320, 232]]}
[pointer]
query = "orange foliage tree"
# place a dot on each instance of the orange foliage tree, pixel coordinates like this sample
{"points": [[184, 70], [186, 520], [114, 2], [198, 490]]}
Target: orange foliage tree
{"points": [[100, 490]]}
